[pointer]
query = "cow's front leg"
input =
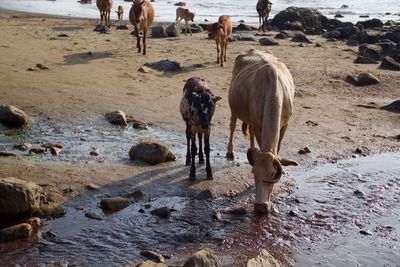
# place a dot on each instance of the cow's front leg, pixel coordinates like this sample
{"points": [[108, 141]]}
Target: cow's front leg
{"points": [[201, 157], [188, 137], [192, 175], [207, 151]]}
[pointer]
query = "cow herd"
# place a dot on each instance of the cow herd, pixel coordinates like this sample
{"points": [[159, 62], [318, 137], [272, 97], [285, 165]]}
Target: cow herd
{"points": [[261, 95]]}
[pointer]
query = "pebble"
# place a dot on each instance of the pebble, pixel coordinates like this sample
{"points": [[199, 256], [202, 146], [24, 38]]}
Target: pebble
{"points": [[365, 232], [95, 151], [152, 255], [93, 215], [163, 212]]}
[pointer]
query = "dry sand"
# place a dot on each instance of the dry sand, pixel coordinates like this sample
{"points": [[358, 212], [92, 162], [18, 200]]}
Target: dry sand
{"points": [[81, 88]]}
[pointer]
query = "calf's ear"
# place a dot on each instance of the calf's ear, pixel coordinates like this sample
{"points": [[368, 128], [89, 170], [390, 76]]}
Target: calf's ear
{"points": [[217, 98]]}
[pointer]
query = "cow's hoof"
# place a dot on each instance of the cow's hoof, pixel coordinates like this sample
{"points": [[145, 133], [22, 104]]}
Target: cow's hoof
{"points": [[261, 208], [229, 155]]}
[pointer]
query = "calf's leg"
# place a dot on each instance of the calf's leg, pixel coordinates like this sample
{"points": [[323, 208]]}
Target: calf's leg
{"points": [[216, 41], [201, 157], [207, 151], [192, 175], [188, 137], [144, 40], [229, 152]]}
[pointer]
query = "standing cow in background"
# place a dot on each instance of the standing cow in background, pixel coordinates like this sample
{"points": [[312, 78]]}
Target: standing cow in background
{"points": [[222, 30], [105, 9], [261, 95], [197, 108], [120, 13], [141, 16], [185, 14], [263, 8]]}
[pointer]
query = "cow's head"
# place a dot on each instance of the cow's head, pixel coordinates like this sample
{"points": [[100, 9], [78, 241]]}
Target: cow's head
{"points": [[267, 170], [204, 105], [138, 9], [190, 16]]}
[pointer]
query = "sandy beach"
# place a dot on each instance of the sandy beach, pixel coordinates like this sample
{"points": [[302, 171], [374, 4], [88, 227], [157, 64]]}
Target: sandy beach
{"points": [[91, 74]]}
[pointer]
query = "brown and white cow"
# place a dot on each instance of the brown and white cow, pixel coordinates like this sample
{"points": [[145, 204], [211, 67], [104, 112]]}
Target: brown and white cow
{"points": [[222, 30], [261, 95], [141, 16], [105, 9], [197, 108], [185, 14], [120, 13]]}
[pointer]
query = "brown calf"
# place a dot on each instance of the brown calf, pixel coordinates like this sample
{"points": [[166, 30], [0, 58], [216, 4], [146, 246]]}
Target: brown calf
{"points": [[141, 16], [222, 30], [105, 9], [120, 13], [184, 13]]}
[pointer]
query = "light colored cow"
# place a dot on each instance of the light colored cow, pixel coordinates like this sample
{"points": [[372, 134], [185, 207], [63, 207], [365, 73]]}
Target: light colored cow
{"points": [[185, 14]]}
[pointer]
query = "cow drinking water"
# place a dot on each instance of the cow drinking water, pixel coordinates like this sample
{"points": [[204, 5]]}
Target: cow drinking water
{"points": [[197, 108]]}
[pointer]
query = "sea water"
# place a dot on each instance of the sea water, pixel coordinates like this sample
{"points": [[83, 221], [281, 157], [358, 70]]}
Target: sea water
{"points": [[210, 10]]}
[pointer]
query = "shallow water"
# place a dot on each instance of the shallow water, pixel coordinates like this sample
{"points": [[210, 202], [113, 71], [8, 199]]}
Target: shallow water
{"points": [[212, 9], [321, 211]]}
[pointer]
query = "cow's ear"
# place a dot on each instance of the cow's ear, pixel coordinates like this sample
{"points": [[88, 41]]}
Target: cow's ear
{"points": [[216, 99]]}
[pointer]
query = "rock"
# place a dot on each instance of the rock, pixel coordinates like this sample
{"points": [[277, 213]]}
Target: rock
{"points": [[244, 27], [144, 69], [359, 193], [163, 212], [305, 150], [280, 36], [15, 232], [346, 29], [264, 259], [7, 154], [35, 222], [114, 204], [12, 116], [122, 27], [306, 18], [370, 51], [92, 187], [300, 38], [101, 29], [152, 255], [344, 6], [151, 264], [293, 213], [331, 34], [361, 37], [237, 211], [44, 67], [159, 31], [50, 145], [140, 125], [339, 16], [352, 43], [242, 37], [363, 79], [268, 42], [318, 45], [365, 232], [18, 196], [117, 117], [393, 107], [371, 23], [389, 63], [55, 150], [205, 195], [93, 215], [195, 28], [180, 4], [172, 31], [203, 258], [137, 194], [165, 65], [37, 150], [151, 152], [393, 35], [95, 151], [365, 60], [217, 215], [23, 146]]}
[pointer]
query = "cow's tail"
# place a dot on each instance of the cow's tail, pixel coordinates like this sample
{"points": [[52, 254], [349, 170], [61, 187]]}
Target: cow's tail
{"points": [[245, 128]]}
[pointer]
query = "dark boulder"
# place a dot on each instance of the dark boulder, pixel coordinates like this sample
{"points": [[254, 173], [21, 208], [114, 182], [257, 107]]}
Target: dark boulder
{"points": [[165, 65], [363, 79], [304, 18], [117, 118], [370, 51], [268, 42], [13, 117], [244, 27], [151, 152], [365, 60], [389, 63], [371, 23], [393, 107], [301, 38], [393, 35], [346, 30], [159, 31]]}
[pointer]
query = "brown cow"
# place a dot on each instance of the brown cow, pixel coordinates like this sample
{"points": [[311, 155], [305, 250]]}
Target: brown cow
{"points": [[185, 14], [120, 13], [105, 9], [263, 8], [261, 95], [222, 30], [141, 16]]}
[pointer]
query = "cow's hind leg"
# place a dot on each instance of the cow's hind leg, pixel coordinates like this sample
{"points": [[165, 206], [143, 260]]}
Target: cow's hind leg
{"points": [[144, 40], [216, 41], [201, 156], [229, 152], [221, 55], [207, 151], [192, 175]]}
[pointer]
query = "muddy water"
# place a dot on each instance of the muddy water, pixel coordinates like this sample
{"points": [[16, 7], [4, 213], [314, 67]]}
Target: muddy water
{"points": [[344, 214]]}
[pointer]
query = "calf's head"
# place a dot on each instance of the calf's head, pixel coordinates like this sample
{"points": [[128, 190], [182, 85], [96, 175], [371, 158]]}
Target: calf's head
{"points": [[267, 170], [204, 105], [190, 16]]}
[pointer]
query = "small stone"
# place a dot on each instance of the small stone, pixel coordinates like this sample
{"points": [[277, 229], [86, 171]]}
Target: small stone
{"points": [[38, 150], [7, 154], [365, 79], [144, 69], [305, 150], [95, 151], [217, 215], [152, 255], [318, 45], [140, 125], [92, 187], [141, 211], [147, 206], [237, 211], [114, 204], [389, 63], [301, 38], [23, 146], [359, 193], [293, 213], [311, 123], [93, 215], [365, 60], [137, 194], [165, 65], [41, 66], [50, 145], [117, 117], [268, 42], [163, 212], [55, 150], [205, 195], [15, 232], [204, 257], [365, 232]]}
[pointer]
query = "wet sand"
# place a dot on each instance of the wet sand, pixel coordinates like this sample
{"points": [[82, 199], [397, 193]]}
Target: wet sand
{"points": [[79, 88]]}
